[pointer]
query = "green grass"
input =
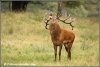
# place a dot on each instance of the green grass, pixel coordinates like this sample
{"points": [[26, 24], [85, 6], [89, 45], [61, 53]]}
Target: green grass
{"points": [[25, 40]]}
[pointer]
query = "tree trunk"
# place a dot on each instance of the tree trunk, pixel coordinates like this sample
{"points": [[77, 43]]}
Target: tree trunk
{"points": [[19, 5], [62, 8], [9, 6]]}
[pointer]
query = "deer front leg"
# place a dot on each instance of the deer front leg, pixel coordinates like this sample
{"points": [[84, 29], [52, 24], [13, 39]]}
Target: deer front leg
{"points": [[55, 51], [60, 48]]}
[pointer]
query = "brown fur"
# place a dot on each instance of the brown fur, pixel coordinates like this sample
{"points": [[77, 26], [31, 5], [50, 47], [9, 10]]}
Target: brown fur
{"points": [[60, 36]]}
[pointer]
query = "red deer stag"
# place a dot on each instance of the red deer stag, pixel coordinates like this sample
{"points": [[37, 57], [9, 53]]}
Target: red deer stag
{"points": [[60, 36]]}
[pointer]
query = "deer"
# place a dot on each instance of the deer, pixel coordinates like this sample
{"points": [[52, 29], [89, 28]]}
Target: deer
{"points": [[60, 36]]}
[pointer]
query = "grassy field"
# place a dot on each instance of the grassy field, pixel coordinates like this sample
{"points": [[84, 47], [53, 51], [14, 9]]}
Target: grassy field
{"points": [[24, 40]]}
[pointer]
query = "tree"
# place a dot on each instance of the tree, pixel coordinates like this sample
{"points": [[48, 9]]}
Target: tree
{"points": [[19, 5], [62, 6], [62, 9]]}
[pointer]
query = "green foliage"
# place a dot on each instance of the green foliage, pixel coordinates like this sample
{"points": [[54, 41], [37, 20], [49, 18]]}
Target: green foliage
{"points": [[73, 4], [76, 8], [93, 10], [79, 11], [52, 6]]}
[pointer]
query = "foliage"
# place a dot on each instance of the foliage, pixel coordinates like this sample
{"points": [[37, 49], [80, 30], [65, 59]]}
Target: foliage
{"points": [[79, 11], [83, 8], [52, 6], [76, 8], [73, 4], [93, 9]]}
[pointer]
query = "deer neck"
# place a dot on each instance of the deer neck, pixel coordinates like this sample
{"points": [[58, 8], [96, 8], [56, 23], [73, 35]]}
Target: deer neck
{"points": [[55, 30]]}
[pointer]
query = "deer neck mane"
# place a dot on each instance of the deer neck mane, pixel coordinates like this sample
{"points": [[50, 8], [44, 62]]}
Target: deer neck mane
{"points": [[55, 30]]}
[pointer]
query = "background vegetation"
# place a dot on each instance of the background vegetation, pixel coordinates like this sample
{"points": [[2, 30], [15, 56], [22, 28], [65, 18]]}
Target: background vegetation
{"points": [[24, 38]]}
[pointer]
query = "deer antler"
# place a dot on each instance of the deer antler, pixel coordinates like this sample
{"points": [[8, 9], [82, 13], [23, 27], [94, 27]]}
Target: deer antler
{"points": [[64, 21], [46, 21]]}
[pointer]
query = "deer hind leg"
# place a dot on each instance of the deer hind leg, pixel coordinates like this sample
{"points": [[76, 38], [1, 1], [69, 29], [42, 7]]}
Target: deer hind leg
{"points": [[55, 51], [69, 54], [69, 50], [68, 46], [60, 48]]}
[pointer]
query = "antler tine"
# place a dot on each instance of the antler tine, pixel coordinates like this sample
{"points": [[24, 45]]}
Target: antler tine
{"points": [[64, 21], [58, 15], [71, 22], [46, 26], [46, 21], [67, 17]]}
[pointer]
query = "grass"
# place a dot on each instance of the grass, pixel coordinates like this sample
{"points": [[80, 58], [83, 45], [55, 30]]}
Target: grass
{"points": [[25, 40]]}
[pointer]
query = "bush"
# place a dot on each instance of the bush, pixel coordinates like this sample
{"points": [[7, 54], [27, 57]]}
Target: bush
{"points": [[79, 11]]}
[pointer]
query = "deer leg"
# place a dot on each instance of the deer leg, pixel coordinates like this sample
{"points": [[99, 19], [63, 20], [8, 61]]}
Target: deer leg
{"points": [[60, 48], [66, 48], [69, 54], [55, 51], [66, 45], [69, 51]]}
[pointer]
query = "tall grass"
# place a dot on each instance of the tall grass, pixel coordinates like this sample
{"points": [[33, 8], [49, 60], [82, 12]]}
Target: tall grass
{"points": [[25, 40]]}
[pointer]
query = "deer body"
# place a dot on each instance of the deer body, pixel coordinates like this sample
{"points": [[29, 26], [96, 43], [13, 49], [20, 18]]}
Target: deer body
{"points": [[60, 36]]}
